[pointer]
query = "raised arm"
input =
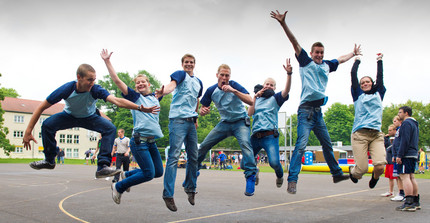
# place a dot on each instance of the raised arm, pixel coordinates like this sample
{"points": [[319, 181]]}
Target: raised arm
{"points": [[379, 75], [243, 97], [289, 70], [354, 78], [346, 57], [121, 85], [281, 19], [36, 115]]}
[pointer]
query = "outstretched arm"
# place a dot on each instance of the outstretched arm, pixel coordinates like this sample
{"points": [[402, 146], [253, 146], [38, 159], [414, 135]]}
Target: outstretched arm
{"points": [[289, 70], [346, 57], [243, 97], [281, 19], [121, 85], [165, 90], [36, 115], [123, 103]]}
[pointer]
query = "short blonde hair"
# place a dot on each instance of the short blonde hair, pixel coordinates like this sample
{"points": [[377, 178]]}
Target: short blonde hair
{"points": [[392, 126], [270, 79], [144, 77], [223, 66]]}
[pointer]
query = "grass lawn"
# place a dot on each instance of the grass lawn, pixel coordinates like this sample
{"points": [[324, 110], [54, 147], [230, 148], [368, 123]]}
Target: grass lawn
{"points": [[66, 161]]}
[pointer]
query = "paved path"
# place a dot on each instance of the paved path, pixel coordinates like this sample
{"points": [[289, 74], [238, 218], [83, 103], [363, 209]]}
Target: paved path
{"points": [[70, 194]]}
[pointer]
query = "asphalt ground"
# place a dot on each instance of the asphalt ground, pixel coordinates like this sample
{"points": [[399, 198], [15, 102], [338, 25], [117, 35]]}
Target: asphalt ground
{"points": [[69, 193]]}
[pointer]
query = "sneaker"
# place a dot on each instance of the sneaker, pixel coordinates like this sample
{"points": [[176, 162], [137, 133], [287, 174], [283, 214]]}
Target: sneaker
{"points": [[116, 196], [279, 182], [292, 187], [170, 203], [191, 196], [373, 182], [250, 185], [42, 164], [257, 177], [417, 202], [107, 172], [398, 198], [337, 179], [387, 194], [122, 177], [353, 179], [408, 205]]}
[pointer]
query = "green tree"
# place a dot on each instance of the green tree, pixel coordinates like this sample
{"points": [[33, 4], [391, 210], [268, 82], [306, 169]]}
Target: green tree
{"points": [[9, 92], [4, 142], [339, 121], [312, 141]]}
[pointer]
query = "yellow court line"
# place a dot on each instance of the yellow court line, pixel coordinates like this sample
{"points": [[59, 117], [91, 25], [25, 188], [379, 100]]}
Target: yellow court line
{"points": [[60, 205]]}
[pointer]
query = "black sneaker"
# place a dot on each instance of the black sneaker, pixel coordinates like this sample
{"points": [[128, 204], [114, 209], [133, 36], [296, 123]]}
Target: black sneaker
{"points": [[107, 172], [337, 179], [417, 202], [292, 187], [191, 196], [408, 205], [170, 203], [373, 182], [353, 179], [42, 164]]}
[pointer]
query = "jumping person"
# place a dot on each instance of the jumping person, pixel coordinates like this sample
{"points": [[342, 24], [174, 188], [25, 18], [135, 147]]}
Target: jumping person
{"points": [[366, 136], [265, 125], [314, 73], [228, 97], [146, 129], [187, 89], [80, 111]]}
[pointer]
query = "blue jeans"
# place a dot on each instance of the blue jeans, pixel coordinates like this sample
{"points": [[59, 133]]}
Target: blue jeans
{"points": [[181, 131], [149, 160], [62, 120], [242, 133], [304, 127], [271, 145]]}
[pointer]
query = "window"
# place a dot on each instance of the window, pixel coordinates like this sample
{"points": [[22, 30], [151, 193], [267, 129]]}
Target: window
{"points": [[40, 135], [18, 149], [76, 128], [75, 153], [19, 118], [41, 120], [69, 153], [76, 139], [62, 138], [69, 139], [18, 134]]}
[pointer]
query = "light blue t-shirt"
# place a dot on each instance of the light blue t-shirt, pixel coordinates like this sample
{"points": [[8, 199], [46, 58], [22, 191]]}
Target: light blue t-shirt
{"points": [[314, 77], [78, 104], [230, 106], [188, 90], [368, 110], [265, 116], [146, 124]]}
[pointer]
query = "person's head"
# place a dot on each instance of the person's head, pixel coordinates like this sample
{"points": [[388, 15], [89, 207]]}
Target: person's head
{"points": [[86, 77], [223, 75], [141, 84], [404, 112], [270, 83], [188, 63], [366, 83], [396, 121], [392, 130], [121, 133], [317, 52]]}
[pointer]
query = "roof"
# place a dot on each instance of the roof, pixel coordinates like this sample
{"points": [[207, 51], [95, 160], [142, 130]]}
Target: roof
{"points": [[28, 106]]}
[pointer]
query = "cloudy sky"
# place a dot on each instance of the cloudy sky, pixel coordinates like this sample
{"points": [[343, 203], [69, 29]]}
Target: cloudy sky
{"points": [[43, 42]]}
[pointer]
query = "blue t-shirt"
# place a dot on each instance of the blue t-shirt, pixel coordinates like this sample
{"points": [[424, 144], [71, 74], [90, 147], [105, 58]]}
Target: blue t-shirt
{"points": [[188, 90], [368, 109], [314, 77], [78, 104], [146, 124], [266, 112], [230, 106]]}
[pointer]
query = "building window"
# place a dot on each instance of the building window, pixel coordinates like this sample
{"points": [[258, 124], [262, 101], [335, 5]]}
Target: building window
{"points": [[18, 149], [62, 138], [75, 153], [41, 120], [69, 153], [18, 134], [76, 128], [40, 135], [19, 118], [76, 139], [69, 139]]}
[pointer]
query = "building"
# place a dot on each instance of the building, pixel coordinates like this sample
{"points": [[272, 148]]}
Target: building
{"points": [[17, 115]]}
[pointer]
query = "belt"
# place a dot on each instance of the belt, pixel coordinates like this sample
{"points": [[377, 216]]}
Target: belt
{"points": [[120, 154], [369, 129], [262, 134], [317, 109], [191, 119], [146, 139]]}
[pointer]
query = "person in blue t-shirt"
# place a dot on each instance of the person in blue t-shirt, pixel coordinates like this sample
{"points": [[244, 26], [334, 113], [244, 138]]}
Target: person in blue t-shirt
{"points": [[228, 96], [146, 129], [187, 89], [265, 121], [314, 73], [366, 135], [80, 110]]}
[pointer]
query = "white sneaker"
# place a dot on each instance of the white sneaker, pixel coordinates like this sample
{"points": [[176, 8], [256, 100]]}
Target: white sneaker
{"points": [[116, 196], [398, 198], [387, 194]]}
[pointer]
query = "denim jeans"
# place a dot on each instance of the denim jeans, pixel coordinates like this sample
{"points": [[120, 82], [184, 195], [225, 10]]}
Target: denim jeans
{"points": [[62, 120], [310, 119], [181, 131], [123, 161], [149, 160], [242, 133], [271, 145]]}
